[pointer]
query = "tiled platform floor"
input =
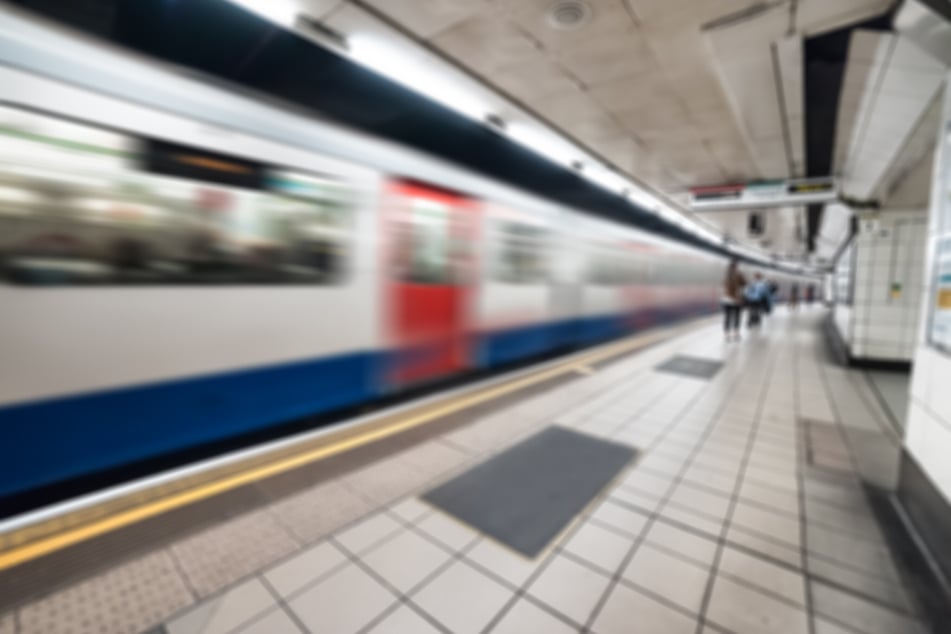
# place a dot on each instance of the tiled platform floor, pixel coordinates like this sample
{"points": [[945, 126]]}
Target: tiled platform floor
{"points": [[739, 517]]}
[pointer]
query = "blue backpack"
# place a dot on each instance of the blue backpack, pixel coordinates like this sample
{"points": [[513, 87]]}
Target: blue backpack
{"points": [[754, 292]]}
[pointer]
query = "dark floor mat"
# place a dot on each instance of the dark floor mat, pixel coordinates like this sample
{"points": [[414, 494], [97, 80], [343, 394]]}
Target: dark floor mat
{"points": [[526, 495], [693, 367]]}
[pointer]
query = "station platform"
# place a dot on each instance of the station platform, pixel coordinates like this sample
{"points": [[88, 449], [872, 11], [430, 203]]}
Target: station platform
{"points": [[745, 509]]}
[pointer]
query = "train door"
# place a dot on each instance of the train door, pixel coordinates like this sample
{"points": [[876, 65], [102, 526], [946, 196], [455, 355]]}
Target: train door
{"points": [[430, 283]]}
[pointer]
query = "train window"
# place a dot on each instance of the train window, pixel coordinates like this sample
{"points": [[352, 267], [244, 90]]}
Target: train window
{"points": [[427, 252], [615, 266], [81, 205], [520, 254]]}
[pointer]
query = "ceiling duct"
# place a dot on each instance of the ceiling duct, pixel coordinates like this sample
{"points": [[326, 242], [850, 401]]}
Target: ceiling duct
{"points": [[923, 24], [569, 15]]}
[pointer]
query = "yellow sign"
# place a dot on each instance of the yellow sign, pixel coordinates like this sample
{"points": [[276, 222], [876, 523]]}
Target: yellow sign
{"points": [[944, 299]]}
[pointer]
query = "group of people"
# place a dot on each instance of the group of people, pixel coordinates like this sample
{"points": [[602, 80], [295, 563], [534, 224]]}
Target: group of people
{"points": [[756, 296]]}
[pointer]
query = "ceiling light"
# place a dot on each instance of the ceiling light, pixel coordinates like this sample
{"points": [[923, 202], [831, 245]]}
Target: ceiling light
{"points": [[642, 199], [418, 73], [282, 12], [604, 177], [542, 142]]}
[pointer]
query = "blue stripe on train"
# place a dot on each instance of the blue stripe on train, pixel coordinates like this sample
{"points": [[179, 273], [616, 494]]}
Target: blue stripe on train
{"points": [[504, 346], [55, 440], [500, 347], [51, 441]]}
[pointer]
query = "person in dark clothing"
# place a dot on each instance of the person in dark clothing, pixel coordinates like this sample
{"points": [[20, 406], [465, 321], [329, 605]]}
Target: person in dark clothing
{"points": [[732, 300], [756, 298]]}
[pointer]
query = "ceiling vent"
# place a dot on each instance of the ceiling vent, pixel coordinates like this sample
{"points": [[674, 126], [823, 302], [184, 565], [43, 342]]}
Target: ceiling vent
{"points": [[568, 15]]}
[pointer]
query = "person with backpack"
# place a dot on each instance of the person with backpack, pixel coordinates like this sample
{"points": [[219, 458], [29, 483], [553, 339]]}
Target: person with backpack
{"points": [[732, 300], [755, 296]]}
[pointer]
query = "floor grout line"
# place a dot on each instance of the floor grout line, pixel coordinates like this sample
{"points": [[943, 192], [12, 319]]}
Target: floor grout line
{"points": [[675, 482], [728, 520]]}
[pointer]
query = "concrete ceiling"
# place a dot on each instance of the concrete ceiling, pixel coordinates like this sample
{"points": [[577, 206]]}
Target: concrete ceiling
{"points": [[674, 93]]}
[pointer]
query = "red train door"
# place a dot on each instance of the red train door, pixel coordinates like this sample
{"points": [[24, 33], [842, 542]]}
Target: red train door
{"points": [[431, 238]]}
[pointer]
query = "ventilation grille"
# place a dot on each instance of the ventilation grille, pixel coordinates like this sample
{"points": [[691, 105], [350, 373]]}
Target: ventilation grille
{"points": [[568, 15]]}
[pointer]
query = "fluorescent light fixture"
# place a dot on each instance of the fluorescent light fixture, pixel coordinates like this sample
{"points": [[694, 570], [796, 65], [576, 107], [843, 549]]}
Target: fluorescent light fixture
{"points": [[281, 12], [642, 198], [416, 72], [670, 215], [543, 142], [706, 234], [604, 177]]}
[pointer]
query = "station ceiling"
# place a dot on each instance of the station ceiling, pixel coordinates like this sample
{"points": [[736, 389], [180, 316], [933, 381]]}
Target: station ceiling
{"points": [[673, 93]]}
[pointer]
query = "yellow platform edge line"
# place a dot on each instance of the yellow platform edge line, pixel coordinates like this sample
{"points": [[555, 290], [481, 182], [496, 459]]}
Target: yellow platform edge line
{"points": [[70, 537]]}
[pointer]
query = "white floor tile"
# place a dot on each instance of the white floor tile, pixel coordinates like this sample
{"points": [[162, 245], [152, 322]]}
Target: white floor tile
{"points": [[569, 588], [504, 562], [342, 603], [274, 622], [687, 544], [368, 532], [620, 517], [527, 618], [764, 574], [462, 598], [411, 509], [405, 620], [226, 611], [405, 560], [296, 572], [449, 531], [627, 612], [746, 611], [660, 572]]}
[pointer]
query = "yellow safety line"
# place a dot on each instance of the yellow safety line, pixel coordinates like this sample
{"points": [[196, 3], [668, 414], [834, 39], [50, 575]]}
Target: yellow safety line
{"points": [[69, 537]]}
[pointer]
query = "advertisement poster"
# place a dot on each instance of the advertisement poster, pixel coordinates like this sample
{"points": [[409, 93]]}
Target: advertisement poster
{"points": [[940, 333], [941, 308]]}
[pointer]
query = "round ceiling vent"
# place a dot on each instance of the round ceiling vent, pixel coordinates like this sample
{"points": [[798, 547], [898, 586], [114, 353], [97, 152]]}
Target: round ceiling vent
{"points": [[568, 15]]}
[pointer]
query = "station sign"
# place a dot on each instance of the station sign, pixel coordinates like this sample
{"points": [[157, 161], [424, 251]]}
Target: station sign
{"points": [[763, 194]]}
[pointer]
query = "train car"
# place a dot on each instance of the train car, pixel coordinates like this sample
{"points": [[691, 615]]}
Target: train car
{"points": [[182, 265]]}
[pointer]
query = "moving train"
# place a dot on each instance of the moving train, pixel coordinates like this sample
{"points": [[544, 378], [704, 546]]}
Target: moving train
{"points": [[182, 265]]}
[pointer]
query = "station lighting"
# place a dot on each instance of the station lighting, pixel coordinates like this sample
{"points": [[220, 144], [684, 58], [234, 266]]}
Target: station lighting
{"points": [[605, 178], [417, 73], [642, 198], [282, 12], [542, 142]]}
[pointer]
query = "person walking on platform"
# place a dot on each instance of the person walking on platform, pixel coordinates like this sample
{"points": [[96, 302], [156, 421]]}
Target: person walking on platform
{"points": [[732, 300], [755, 294], [794, 296], [770, 296]]}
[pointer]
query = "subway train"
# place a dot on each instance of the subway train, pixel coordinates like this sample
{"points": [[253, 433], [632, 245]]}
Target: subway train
{"points": [[181, 265]]}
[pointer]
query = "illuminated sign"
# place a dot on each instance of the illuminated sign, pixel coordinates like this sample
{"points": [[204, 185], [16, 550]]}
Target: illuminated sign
{"points": [[172, 159], [763, 194]]}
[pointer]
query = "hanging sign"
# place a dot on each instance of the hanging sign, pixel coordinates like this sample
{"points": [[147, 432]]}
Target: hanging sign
{"points": [[764, 194]]}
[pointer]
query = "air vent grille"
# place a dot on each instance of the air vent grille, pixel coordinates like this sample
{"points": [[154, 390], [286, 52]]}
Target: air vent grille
{"points": [[568, 15]]}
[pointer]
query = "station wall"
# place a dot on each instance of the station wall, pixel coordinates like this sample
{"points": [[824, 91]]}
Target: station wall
{"points": [[925, 484], [878, 285]]}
